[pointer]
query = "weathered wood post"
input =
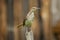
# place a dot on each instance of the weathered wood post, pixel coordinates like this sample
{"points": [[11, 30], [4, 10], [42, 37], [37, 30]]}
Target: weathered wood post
{"points": [[45, 13]]}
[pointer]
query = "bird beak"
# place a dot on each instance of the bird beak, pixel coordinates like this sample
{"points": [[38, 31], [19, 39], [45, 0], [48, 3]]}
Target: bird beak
{"points": [[37, 8]]}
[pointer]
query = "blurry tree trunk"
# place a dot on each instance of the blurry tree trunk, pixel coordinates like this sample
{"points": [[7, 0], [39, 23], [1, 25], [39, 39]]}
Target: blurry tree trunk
{"points": [[35, 26], [46, 15], [18, 18]]}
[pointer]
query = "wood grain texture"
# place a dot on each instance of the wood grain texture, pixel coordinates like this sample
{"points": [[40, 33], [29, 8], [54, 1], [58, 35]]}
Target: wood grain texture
{"points": [[3, 20], [18, 18], [0, 21], [45, 13]]}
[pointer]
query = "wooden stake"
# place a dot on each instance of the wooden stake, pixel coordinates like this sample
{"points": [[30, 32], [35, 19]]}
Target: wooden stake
{"points": [[45, 13]]}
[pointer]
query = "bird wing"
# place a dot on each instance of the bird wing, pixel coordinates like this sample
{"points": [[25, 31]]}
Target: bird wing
{"points": [[30, 16]]}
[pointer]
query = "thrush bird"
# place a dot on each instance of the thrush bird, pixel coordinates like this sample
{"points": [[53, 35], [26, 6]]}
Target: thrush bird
{"points": [[29, 18]]}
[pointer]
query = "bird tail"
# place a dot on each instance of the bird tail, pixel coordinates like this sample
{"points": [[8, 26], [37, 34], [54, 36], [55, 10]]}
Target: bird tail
{"points": [[20, 25]]}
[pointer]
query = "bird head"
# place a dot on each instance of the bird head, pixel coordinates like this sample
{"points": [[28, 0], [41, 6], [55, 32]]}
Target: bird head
{"points": [[34, 8]]}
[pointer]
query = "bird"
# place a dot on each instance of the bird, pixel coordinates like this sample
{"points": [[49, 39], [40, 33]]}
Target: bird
{"points": [[29, 18]]}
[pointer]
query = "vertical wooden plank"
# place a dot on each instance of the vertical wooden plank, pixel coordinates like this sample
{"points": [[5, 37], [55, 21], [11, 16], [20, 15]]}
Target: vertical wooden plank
{"points": [[10, 19], [18, 18], [45, 13], [4, 20], [35, 26], [0, 21]]}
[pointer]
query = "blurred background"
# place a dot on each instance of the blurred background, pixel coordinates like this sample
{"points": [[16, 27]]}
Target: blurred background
{"points": [[46, 25]]}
